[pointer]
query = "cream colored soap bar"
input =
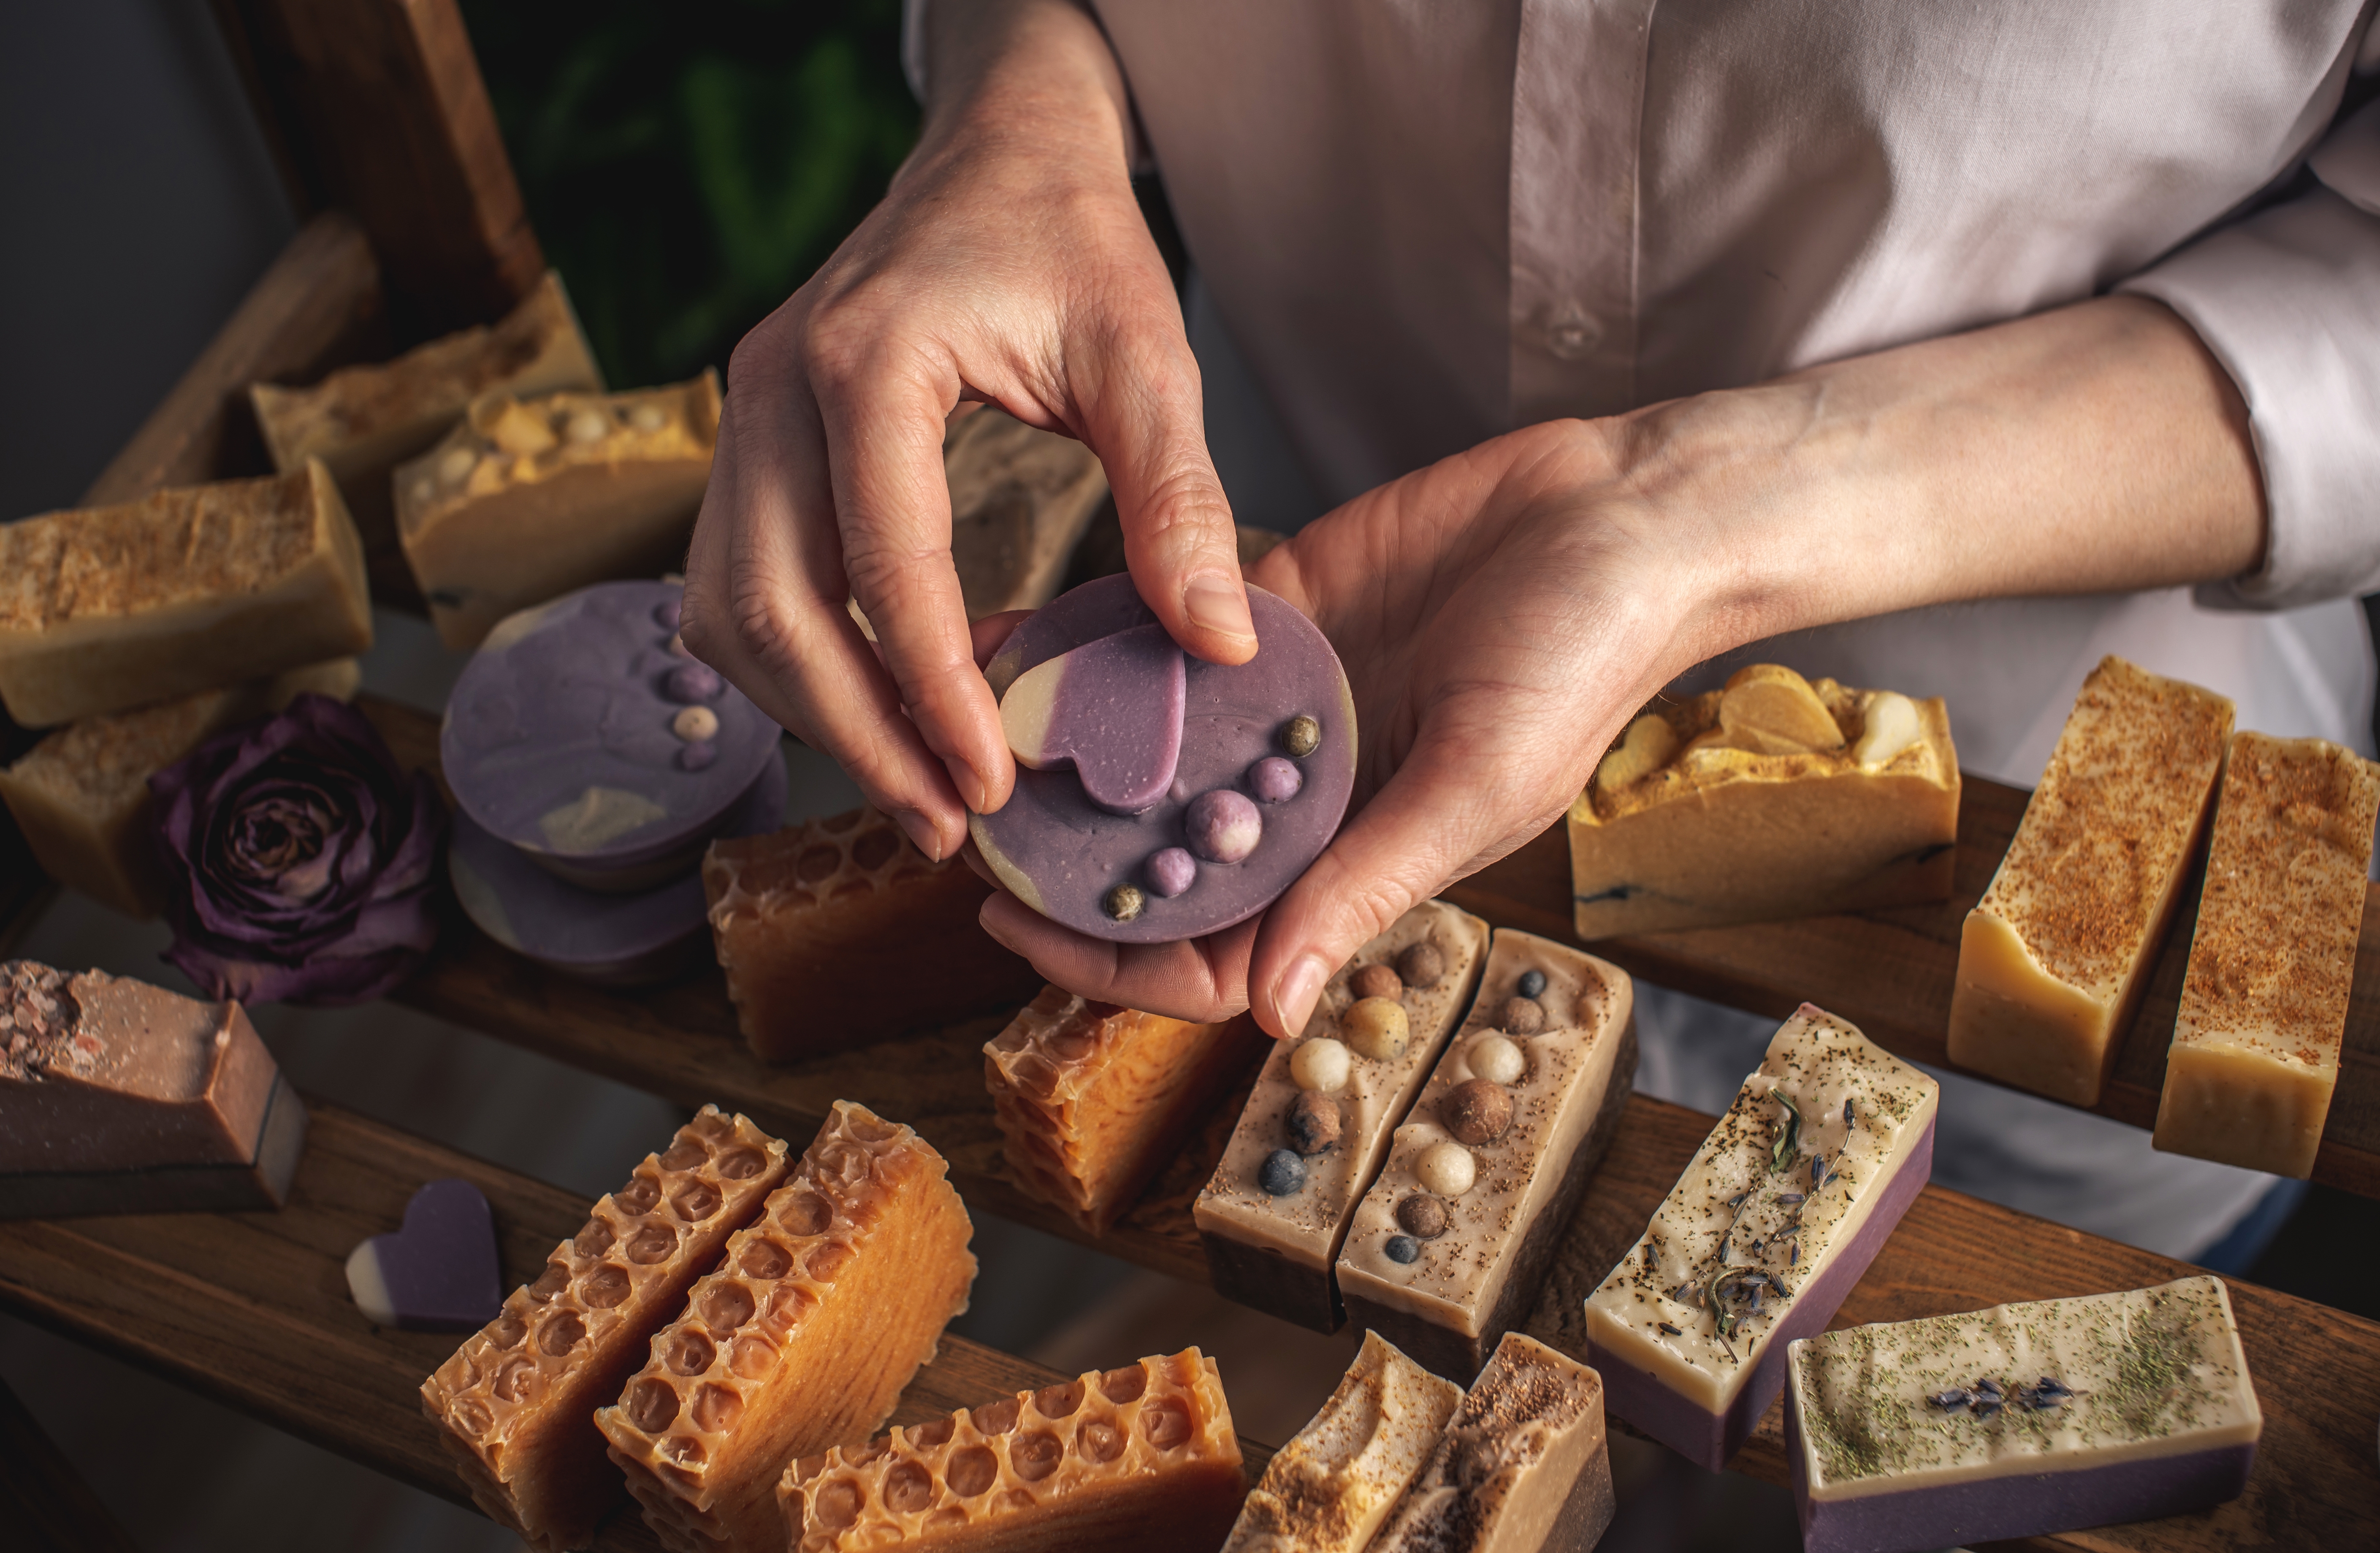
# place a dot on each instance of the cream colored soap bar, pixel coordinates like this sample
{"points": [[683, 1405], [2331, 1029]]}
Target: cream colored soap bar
{"points": [[2264, 1006], [111, 608], [363, 421], [1329, 1490], [1773, 797], [527, 499], [81, 794], [1020, 500], [2053, 959]]}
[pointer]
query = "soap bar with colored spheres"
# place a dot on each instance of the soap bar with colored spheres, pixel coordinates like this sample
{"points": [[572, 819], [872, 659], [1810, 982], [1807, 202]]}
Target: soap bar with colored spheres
{"points": [[1317, 1123], [2021, 1420], [1448, 1250], [2053, 960], [1780, 1211], [1329, 1490], [1774, 797], [1139, 1459], [2271, 961], [117, 1096], [1093, 1100], [515, 1406], [1116, 840], [804, 1339]]}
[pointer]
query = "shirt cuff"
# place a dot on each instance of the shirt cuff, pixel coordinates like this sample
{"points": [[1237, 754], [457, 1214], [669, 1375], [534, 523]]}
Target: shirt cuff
{"points": [[913, 45]]}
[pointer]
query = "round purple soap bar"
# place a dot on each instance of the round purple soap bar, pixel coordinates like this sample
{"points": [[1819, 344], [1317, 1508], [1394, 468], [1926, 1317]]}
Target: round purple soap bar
{"points": [[561, 739], [1063, 854]]}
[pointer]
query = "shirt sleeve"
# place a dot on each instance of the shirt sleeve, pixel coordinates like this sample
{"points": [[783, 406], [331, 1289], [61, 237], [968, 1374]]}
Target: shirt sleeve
{"points": [[913, 45], [2288, 301]]}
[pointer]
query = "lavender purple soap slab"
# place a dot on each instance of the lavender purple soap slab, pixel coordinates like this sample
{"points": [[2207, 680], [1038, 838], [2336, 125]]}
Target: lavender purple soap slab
{"points": [[1266, 764]]}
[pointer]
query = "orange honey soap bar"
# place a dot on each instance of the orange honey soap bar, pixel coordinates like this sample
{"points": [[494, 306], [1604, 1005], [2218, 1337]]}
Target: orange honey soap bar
{"points": [[1092, 1098], [2264, 1005], [839, 932], [1139, 1459], [186, 590], [2053, 959], [515, 1406], [804, 1339]]}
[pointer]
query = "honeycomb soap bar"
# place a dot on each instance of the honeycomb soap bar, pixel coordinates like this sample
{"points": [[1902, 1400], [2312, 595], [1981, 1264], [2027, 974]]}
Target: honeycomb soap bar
{"points": [[803, 1339], [81, 794], [2271, 961], [527, 499], [1319, 1118], [1524, 1467], [363, 421], [515, 1406], [839, 932], [1448, 1250], [1092, 1100], [188, 589], [1020, 502], [117, 1096], [2020, 1421], [1139, 1459], [1773, 797], [1329, 1490], [1780, 1211], [2053, 959]]}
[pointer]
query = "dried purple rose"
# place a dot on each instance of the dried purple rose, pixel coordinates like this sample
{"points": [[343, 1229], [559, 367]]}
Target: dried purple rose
{"points": [[299, 859]]}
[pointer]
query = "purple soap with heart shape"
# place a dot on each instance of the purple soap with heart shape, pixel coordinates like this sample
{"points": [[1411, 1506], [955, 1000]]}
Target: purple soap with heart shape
{"points": [[1206, 852], [436, 1273], [1111, 710]]}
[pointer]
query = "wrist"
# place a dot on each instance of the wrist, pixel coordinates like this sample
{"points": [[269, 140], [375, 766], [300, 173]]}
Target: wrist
{"points": [[1034, 73]]}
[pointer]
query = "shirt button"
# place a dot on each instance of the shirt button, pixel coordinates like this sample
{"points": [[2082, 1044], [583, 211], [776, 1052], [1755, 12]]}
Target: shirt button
{"points": [[1570, 334]]}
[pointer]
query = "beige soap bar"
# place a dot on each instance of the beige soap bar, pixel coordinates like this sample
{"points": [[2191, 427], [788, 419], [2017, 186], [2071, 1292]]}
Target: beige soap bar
{"points": [[1139, 1459], [81, 794], [1774, 797], [803, 1339], [2052, 959], [1329, 1490], [1020, 500], [111, 608], [363, 421], [2264, 1006], [527, 499]]}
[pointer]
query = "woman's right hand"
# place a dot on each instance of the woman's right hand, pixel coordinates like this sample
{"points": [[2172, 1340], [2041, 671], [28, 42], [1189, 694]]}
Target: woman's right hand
{"points": [[1009, 264]]}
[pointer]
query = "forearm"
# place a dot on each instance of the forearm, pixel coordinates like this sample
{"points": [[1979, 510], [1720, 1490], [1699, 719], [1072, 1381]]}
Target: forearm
{"points": [[1034, 69]]}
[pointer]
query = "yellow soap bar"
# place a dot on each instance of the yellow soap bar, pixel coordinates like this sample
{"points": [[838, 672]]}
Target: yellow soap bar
{"points": [[111, 608], [2264, 1006], [2053, 959]]}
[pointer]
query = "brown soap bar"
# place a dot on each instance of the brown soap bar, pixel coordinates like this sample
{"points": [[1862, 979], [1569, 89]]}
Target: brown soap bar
{"points": [[111, 608], [81, 795], [515, 1404], [1020, 500], [117, 1096], [804, 1339], [529, 499], [363, 421], [839, 932], [1092, 1098]]}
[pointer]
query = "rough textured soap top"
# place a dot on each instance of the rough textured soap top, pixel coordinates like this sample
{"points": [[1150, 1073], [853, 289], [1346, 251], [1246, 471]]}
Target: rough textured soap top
{"points": [[563, 735], [2112, 820], [2023, 1389], [100, 761], [170, 547], [2273, 959], [89, 1024], [1526, 1399]]}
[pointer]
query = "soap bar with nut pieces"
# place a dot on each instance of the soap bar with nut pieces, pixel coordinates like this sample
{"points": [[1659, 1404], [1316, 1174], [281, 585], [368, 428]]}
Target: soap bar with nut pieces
{"points": [[1448, 1250], [2053, 960], [2272, 960], [822, 1311], [1319, 1120], [839, 932], [1093, 1100], [185, 590], [515, 1406], [1138, 1460], [1773, 797]]}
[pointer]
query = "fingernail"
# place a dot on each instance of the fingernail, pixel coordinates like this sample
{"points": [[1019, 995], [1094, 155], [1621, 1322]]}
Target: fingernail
{"points": [[1294, 995], [921, 830], [972, 788], [1213, 603]]}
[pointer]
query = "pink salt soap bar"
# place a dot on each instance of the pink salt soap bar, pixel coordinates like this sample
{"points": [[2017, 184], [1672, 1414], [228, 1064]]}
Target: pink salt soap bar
{"points": [[1262, 767]]}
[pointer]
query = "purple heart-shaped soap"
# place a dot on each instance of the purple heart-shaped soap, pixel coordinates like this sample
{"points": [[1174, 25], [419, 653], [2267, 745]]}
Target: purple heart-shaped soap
{"points": [[436, 1273], [1111, 708]]}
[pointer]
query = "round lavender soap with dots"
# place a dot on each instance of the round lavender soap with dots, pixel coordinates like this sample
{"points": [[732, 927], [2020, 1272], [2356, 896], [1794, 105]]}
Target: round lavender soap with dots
{"points": [[1236, 845], [566, 737]]}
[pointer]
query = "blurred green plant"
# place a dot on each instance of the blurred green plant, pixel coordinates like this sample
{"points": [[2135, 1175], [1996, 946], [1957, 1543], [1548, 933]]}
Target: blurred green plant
{"points": [[687, 165]]}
